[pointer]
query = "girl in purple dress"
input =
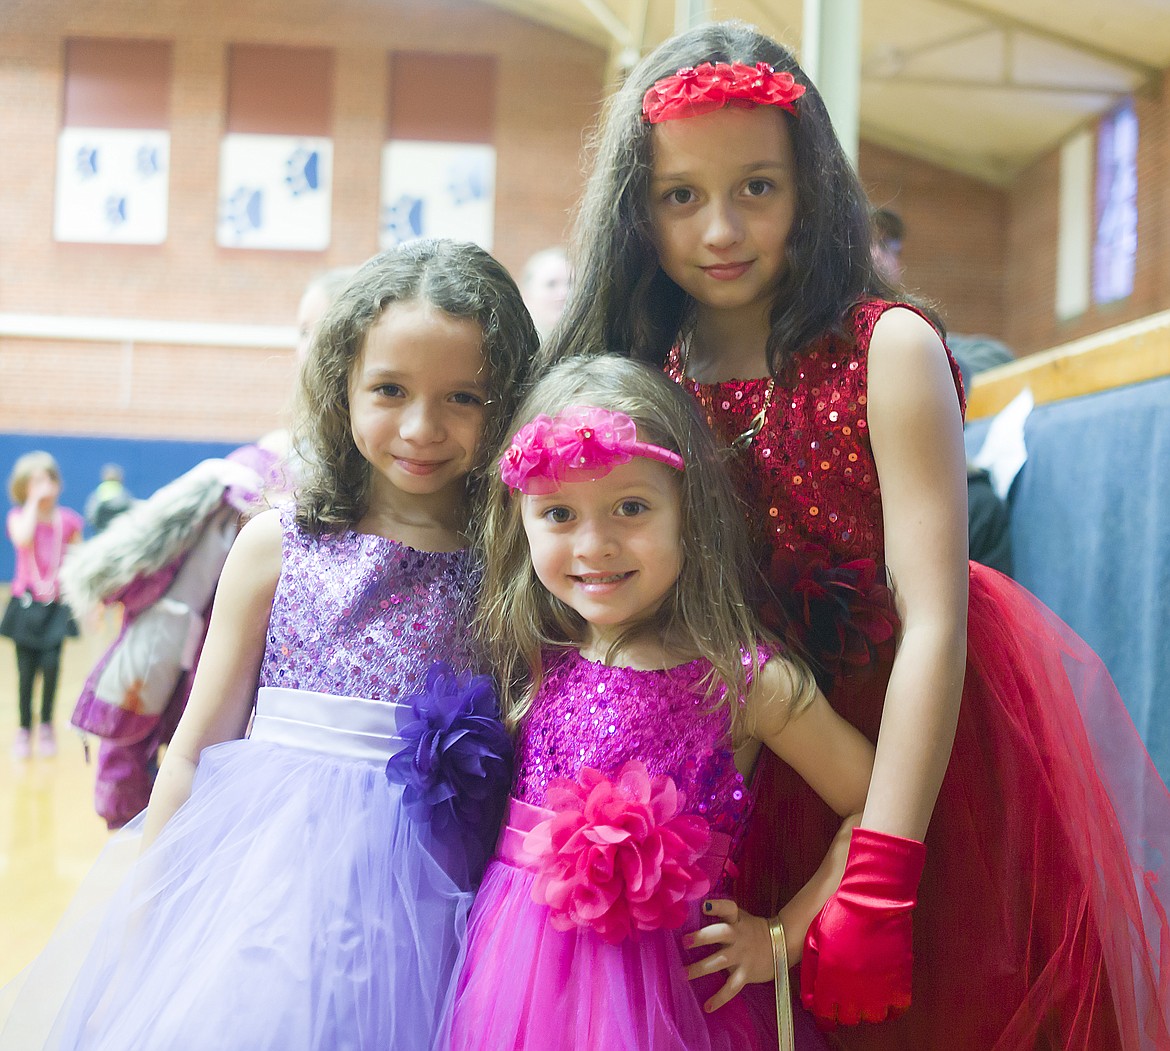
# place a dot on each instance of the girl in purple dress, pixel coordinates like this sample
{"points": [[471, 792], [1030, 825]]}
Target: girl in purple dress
{"points": [[306, 885], [642, 693]]}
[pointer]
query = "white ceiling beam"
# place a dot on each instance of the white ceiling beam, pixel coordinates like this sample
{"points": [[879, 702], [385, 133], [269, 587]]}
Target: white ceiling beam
{"points": [[896, 57], [557, 16], [1004, 84], [618, 31], [1010, 22]]}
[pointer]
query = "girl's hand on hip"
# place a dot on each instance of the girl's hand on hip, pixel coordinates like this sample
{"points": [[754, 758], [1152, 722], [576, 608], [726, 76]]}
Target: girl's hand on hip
{"points": [[744, 949]]}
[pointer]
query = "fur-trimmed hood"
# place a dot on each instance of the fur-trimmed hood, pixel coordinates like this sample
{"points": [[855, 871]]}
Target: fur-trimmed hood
{"points": [[152, 534]]}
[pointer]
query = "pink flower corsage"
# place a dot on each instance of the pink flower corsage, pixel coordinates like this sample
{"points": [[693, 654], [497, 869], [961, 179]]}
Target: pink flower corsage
{"points": [[618, 856]]}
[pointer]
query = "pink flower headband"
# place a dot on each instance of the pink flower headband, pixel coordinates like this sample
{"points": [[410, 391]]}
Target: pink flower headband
{"points": [[581, 444], [703, 89]]}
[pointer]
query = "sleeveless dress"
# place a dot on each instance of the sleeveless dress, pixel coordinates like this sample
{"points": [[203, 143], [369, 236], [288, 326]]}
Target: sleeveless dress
{"points": [[1042, 916], [300, 899], [561, 955]]}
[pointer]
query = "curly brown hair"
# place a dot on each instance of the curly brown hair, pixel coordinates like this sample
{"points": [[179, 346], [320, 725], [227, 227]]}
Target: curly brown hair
{"points": [[456, 277]]}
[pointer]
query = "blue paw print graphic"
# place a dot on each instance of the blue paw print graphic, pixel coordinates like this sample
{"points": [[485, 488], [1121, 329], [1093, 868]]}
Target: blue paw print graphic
{"points": [[87, 162], [467, 183], [115, 210], [244, 210], [301, 173], [147, 162], [402, 220]]}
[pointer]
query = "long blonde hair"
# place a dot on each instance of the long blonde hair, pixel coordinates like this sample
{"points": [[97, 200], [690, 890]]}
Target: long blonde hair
{"points": [[705, 614]]}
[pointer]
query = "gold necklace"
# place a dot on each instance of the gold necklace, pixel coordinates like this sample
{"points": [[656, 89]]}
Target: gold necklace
{"points": [[742, 441], [707, 400]]}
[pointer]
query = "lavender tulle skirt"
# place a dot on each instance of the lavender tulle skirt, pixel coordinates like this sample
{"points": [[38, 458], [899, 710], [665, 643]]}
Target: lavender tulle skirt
{"points": [[291, 903], [527, 986]]}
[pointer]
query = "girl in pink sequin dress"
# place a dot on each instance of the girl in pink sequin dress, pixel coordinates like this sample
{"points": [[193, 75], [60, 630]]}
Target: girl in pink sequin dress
{"points": [[332, 792], [724, 236], [642, 696]]}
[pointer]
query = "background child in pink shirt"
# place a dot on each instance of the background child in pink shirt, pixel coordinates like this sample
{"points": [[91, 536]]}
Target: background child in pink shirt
{"points": [[36, 621]]}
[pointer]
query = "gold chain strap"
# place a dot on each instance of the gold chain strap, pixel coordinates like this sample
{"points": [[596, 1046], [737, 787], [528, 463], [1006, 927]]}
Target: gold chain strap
{"points": [[783, 993]]}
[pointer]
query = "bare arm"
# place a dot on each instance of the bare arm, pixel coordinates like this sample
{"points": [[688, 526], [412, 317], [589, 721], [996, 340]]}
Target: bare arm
{"points": [[225, 680], [836, 760], [916, 432]]}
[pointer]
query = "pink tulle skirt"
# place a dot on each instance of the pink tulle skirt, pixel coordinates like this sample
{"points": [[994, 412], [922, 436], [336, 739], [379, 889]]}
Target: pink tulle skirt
{"points": [[526, 986]]}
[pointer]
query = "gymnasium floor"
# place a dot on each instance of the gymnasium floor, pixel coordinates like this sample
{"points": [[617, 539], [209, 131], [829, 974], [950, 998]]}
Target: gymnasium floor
{"points": [[49, 834]]}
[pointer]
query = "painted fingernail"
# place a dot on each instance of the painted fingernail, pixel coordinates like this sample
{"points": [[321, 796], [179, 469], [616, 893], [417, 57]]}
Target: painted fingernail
{"points": [[707, 906]]}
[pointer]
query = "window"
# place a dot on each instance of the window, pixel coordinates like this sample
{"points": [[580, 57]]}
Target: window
{"points": [[1115, 225]]}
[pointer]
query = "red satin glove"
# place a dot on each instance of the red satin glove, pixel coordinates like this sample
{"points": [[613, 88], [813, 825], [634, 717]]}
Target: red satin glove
{"points": [[858, 955]]}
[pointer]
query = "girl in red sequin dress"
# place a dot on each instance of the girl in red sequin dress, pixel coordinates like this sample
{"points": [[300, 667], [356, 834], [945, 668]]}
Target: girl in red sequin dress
{"points": [[1007, 888]]}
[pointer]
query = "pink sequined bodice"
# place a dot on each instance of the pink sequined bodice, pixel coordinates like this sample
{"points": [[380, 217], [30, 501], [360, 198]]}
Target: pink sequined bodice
{"points": [[362, 616], [810, 472], [590, 714]]}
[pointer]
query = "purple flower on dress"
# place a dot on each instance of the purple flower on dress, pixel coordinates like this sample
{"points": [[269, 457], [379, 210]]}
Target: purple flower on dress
{"points": [[457, 760]]}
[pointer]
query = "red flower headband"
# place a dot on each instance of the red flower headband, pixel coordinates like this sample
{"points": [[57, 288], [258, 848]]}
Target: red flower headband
{"points": [[703, 89], [581, 444]]}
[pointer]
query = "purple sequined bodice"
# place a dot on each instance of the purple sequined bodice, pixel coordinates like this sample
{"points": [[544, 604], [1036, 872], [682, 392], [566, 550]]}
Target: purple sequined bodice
{"points": [[594, 715], [362, 616]]}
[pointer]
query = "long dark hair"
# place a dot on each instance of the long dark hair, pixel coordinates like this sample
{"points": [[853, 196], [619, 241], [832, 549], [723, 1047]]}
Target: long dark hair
{"points": [[459, 278], [621, 298]]}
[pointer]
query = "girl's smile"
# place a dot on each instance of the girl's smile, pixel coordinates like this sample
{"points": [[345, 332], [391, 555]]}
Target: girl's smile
{"points": [[422, 468], [727, 271]]}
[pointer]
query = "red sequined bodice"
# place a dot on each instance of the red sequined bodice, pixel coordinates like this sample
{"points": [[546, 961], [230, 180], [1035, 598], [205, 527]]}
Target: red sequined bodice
{"points": [[809, 475]]}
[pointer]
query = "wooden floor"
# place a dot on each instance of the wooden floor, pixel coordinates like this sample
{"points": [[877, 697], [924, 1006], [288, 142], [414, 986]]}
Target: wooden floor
{"points": [[49, 833]]}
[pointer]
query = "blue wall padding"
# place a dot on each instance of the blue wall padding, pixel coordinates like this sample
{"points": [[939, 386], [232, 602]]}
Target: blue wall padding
{"points": [[1091, 536], [148, 464]]}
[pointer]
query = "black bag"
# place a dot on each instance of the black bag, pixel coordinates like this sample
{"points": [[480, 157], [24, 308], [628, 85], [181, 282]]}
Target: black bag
{"points": [[37, 625]]}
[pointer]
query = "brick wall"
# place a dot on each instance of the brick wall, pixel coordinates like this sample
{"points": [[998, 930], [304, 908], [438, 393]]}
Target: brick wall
{"points": [[984, 255], [955, 247], [549, 87]]}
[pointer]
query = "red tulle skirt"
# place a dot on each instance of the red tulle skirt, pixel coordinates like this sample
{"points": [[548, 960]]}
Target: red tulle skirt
{"points": [[1042, 915]]}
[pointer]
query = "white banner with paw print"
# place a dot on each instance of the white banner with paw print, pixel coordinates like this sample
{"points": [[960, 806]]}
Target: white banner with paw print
{"points": [[275, 191], [112, 185], [438, 189]]}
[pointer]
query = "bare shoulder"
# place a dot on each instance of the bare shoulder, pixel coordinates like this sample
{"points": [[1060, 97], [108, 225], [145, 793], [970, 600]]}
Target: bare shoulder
{"points": [[263, 532], [908, 371], [904, 339], [254, 561], [772, 695]]}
